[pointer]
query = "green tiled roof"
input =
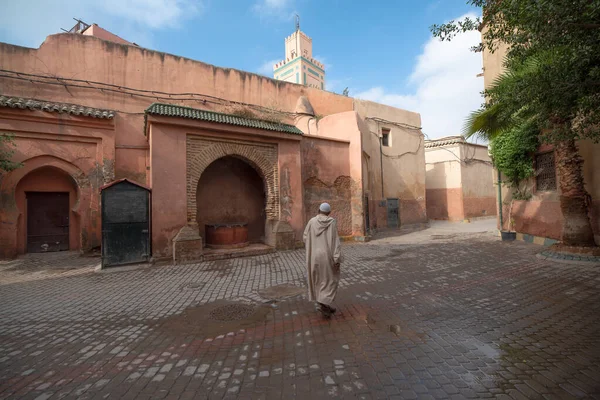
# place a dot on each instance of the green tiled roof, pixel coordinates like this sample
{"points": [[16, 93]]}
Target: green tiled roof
{"points": [[51, 106], [171, 110]]}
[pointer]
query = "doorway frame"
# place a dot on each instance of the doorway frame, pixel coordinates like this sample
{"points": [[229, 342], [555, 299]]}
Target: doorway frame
{"points": [[26, 219]]}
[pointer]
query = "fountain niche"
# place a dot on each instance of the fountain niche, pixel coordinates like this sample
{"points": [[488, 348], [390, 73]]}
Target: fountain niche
{"points": [[231, 204]]}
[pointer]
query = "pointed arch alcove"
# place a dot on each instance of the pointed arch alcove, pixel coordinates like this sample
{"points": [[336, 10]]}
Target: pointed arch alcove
{"points": [[44, 179], [202, 152], [231, 192]]}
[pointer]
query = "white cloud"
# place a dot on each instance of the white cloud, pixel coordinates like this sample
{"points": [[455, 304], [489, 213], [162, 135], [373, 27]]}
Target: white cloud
{"points": [[271, 5], [27, 23], [156, 14], [274, 8], [266, 68], [446, 88]]}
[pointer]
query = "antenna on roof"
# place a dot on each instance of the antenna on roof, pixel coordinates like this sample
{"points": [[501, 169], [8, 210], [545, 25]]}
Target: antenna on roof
{"points": [[79, 27], [297, 22]]}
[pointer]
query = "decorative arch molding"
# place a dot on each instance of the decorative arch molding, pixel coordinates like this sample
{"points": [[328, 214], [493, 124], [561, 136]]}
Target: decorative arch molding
{"points": [[85, 224], [202, 151], [9, 183]]}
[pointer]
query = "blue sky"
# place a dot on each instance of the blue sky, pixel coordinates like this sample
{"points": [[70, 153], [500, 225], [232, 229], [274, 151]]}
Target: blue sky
{"points": [[380, 50]]}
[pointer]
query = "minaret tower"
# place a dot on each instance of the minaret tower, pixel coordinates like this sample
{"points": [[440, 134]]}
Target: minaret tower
{"points": [[299, 66]]}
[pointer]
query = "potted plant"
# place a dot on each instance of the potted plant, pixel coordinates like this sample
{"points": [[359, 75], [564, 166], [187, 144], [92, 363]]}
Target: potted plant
{"points": [[509, 235]]}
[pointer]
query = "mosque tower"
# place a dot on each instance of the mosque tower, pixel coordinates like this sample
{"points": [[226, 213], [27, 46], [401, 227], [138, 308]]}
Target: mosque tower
{"points": [[299, 66]]}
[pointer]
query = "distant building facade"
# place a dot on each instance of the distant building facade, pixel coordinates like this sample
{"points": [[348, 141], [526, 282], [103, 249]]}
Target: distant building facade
{"points": [[459, 180], [214, 147], [299, 66]]}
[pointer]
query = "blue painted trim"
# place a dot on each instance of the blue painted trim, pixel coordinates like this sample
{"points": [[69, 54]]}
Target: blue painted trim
{"points": [[286, 73], [315, 73], [297, 77], [313, 65], [298, 59], [304, 77]]}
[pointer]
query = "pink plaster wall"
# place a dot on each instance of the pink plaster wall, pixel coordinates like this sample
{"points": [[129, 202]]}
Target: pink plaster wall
{"points": [[290, 185], [541, 215], [445, 204], [127, 153], [403, 161], [482, 206], [345, 126], [81, 148], [90, 58], [326, 178], [168, 173], [538, 218], [96, 31], [158, 161], [169, 205]]}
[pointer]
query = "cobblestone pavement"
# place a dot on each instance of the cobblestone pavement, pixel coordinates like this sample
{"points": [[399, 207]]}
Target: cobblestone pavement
{"points": [[454, 316]]}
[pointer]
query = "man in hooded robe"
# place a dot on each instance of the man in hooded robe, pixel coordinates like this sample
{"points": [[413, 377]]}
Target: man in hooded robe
{"points": [[323, 259]]}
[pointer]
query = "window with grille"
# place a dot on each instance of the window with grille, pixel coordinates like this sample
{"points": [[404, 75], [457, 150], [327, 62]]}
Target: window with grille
{"points": [[545, 173]]}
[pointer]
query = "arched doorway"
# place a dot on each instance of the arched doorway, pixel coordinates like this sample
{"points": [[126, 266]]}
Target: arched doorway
{"points": [[231, 191], [46, 197]]}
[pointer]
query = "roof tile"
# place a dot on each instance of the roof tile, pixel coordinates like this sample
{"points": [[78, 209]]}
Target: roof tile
{"points": [[171, 110], [49, 106]]}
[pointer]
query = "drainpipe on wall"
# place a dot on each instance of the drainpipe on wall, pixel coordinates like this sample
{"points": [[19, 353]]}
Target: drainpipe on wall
{"points": [[500, 198], [381, 160]]}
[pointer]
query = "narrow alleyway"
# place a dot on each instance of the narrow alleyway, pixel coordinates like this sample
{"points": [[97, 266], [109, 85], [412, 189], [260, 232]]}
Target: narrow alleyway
{"points": [[446, 312]]}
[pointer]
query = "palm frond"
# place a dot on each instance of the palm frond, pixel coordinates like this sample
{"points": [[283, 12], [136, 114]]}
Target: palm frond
{"points": [[485, 123], [502, 112]]}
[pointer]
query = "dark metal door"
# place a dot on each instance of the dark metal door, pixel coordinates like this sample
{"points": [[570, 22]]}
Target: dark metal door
{"points": [[125, 224], [47, 221], [393, 215]]}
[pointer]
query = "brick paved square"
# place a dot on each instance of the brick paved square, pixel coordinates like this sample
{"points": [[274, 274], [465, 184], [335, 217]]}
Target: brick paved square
{"points": [[418, 318]]}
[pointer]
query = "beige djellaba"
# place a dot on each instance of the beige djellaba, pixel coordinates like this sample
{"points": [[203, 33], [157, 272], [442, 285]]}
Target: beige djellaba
{"points": [[323, 251]]}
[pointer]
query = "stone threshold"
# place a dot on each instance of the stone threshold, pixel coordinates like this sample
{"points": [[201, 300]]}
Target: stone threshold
{"points": [[565, 258], [255, 249]]}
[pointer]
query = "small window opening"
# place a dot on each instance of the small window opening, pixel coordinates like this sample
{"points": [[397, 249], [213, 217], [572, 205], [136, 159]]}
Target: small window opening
{"points": [[545, 172], [385, 137]]}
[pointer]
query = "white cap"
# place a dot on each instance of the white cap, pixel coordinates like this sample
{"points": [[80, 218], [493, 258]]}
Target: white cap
{"points": [[325, 207]]}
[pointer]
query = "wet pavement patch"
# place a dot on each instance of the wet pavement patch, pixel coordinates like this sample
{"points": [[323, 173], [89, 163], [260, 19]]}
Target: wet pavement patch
{"points": [[281, 291], [231, 312], [395, 328], [218, 266], [394, 255], [192, 285], [213, 319], [514, 354], [487, 350]]}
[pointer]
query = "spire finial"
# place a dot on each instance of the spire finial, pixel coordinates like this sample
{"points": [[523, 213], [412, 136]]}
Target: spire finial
{"points": [[297, 22]]}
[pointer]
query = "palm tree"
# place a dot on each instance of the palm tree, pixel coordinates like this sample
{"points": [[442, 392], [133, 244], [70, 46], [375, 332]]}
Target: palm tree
{"points": [[506, 110]]}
